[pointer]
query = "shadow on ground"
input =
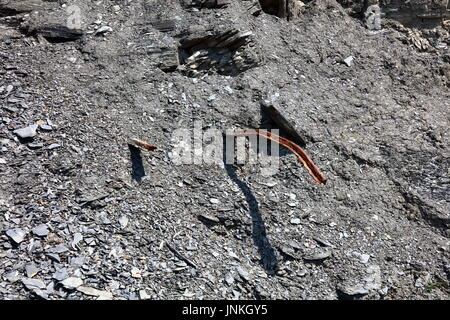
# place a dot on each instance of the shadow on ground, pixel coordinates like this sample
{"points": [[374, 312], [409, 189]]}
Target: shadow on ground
{"points": [[137, 167], [266, 251]]}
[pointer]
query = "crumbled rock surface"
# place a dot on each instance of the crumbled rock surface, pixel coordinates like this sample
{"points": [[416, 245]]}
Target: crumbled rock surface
{"points": [[85, 216]]}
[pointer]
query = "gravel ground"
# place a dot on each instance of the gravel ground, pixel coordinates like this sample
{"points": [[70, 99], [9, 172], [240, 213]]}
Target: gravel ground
{"points": [[85, 216]]}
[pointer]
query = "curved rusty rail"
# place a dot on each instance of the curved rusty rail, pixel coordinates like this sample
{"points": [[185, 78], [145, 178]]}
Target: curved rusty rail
{"points": [[299, 152]]}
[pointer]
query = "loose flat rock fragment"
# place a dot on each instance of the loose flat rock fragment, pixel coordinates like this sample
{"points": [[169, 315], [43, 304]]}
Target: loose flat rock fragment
{"points": [[11, 276], [41, 230], [10, 109], [322, 242], [27, 132], [59, 32], [77, 261], [105, 296], [123, 220], [53, 256], [243, 273], [167, 57], [348, 61], [289, 252], [102, 295], [318, 255], [60, 248], [72, 283], [17, 235], [53, 146], [77, 237], [373, 279], [294, 244], [229, 279], [33, 284], [351, 291], [60, 274], [209, 218], [104, 29], [46, 127], [35, 145], [143, 295], [364, 258], [31, 270]]}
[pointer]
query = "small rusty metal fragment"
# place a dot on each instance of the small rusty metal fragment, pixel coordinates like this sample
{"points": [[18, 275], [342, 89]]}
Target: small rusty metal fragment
{"points": [[141, 144]]}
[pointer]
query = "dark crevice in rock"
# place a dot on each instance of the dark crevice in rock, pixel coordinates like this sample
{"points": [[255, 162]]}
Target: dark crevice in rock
{"points": [[206, 3], [285, 9]]}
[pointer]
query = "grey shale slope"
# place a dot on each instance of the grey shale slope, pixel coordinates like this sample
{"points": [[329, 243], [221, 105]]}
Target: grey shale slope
{"points": [[84, 216]]}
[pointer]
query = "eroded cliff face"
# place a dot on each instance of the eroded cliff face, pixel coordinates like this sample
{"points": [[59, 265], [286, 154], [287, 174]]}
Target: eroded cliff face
{"points": [[368, 101], [425, 23], [410, 13]]}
